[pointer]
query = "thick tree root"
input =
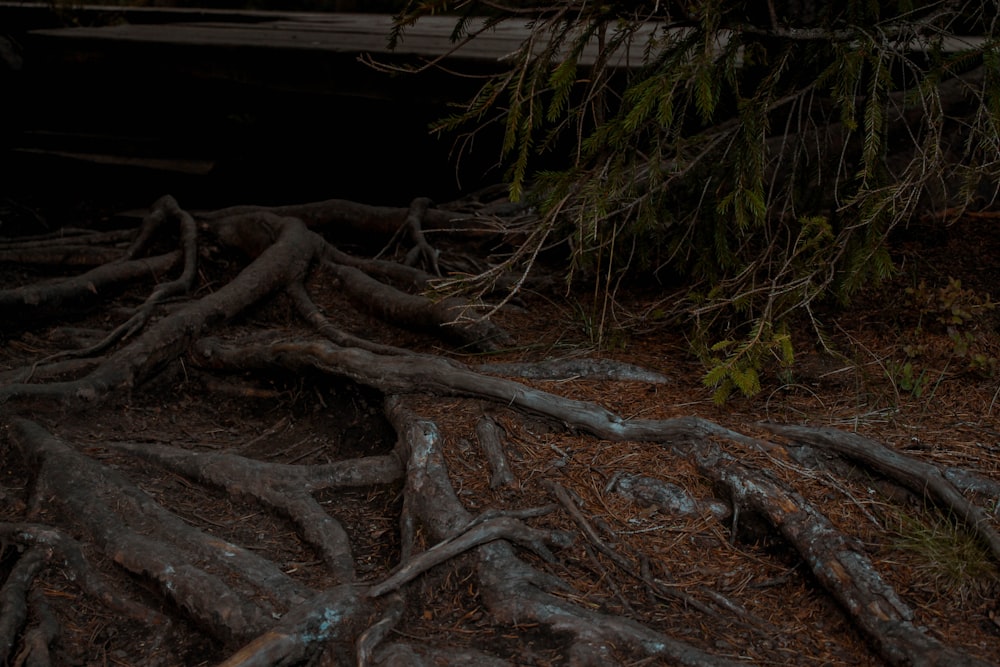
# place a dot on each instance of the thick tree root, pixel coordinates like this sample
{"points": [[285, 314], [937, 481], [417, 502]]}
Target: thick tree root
{"points": [[332, 617], [284, 261], [84, 288], [63, 549], [263, 614], [838, 562], [853, 580], [515, 591], [138, 534], [286, 488], [918, 476]]}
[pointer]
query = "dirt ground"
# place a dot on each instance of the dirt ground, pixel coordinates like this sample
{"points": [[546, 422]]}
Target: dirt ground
{"points": [[909, 372]]}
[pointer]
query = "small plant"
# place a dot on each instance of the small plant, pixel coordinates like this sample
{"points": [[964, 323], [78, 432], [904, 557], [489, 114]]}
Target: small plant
{"points": [[953, 560], [954, 311], [907, 377], [949, 306], [733, 365]]}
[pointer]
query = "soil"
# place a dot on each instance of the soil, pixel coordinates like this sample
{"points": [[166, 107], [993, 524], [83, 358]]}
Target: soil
{"points": [[905, 373]]}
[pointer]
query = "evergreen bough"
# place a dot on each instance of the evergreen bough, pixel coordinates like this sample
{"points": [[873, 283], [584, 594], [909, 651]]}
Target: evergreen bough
{"points": [[754, 161]]}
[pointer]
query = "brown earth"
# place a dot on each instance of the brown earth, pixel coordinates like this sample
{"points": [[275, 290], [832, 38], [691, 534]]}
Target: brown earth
{"points": [[757, 601]]}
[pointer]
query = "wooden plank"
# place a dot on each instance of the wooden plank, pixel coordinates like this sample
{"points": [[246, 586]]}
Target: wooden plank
{"points": [[189, 166], [339, 33]]}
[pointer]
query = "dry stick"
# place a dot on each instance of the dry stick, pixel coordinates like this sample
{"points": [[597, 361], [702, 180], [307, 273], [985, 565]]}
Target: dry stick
{"points": [[918, 476], [488, 434], [607, 578], [838, 562], [514, 591]]}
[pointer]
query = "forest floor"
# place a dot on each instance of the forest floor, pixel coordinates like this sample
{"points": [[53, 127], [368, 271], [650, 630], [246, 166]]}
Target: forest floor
{"points": [[915, 369]]}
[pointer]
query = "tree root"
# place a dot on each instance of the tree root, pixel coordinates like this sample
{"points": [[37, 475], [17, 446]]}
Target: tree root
{"points": [[63, 549], [83, 289], [282, 263], [837, 561], [515, 591], [264, 615], [138, 534], [918, 476], [852, 580], [286, 488], [331, 617]]}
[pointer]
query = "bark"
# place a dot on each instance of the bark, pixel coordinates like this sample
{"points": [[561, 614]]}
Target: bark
{"points": [[514, 591], [257, 608], [925, 479], [138, 534], [283, 262], [839, 563]]}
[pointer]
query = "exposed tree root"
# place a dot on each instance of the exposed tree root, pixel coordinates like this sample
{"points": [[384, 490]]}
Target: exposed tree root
{"points": [[261, 613], [84, 288], [837, 561], [514, 590], [138, 534], [918, 476], [285, 488]]}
